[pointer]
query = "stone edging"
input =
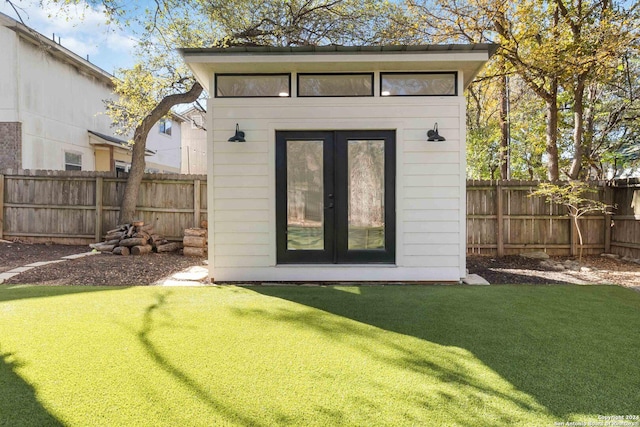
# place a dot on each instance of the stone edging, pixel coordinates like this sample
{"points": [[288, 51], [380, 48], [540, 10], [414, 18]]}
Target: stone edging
{"points": [[14, 272]]}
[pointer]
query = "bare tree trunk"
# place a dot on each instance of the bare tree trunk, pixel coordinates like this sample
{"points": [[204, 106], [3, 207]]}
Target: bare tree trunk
{"points": [[128, 205], [553, 170], [504, 129], [578, 128]]}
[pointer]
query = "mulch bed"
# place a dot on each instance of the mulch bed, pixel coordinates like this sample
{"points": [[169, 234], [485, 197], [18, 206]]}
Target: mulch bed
{"points": [[99, 269], [106, 269], [518, 270]]}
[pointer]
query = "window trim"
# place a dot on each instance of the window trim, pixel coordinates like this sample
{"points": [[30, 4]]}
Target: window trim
{"points": [[77, 153], [451, 73], [335, 168], [215, 91], [371, 75], [160, 123]]}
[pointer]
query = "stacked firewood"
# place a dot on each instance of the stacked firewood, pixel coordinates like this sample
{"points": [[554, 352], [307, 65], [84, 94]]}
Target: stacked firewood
{"points": [[195, 242], [134, 239]]}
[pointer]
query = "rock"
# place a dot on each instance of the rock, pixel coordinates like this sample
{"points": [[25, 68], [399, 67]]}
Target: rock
{"points": [[572, 265], [552, 265], [612, 256], [585, 269], [535, 255], [474, 279]]}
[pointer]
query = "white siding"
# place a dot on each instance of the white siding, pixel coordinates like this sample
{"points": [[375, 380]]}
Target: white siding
{"points": [[57, 105], [429, 184], [167, 157]]}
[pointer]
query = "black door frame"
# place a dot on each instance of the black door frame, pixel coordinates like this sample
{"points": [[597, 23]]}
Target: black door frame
{"points": [[335, 170]]}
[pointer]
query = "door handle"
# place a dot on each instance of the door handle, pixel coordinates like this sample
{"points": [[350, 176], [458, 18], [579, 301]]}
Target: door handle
{"points": [[330, 206]]}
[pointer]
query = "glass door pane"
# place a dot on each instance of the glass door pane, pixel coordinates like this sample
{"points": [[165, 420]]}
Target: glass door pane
{"points": [[305, 195], [366, 211]]}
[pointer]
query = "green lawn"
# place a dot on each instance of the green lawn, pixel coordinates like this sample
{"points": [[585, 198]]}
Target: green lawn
{"points": [[327, 356]]}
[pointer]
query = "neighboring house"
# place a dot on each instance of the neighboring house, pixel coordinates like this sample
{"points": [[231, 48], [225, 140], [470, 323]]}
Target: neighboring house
{"points": [[324, 164], [194, 142], [52, 110], [165, 139]]}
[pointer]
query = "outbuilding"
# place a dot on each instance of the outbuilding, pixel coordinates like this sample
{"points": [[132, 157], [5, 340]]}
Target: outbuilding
{"points": [[337, 163]]}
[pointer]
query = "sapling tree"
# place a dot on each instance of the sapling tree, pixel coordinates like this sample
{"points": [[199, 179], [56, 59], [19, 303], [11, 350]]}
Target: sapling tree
{"points": [[575, 197]]}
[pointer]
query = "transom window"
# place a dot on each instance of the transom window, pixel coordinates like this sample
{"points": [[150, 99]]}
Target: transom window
{"points": [[253, 85], [418, 84], [335, 84]]}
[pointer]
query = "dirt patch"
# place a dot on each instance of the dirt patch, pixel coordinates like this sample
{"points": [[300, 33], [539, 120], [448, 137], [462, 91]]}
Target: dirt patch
{"points": [[516, 269], [99, 269], [105, 269]]}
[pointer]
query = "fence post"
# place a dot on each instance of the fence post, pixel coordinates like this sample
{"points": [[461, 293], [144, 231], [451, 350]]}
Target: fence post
{"points": [[98, 230], [196, 203], [608, 199], [499, 220], [1, 206]]}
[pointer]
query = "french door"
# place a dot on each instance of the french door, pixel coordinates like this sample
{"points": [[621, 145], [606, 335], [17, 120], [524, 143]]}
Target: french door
{"points": [[335, 197]]}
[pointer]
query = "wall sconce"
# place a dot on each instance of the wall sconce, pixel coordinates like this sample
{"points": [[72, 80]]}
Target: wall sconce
{"points": [[239, 136], [433, 135]]}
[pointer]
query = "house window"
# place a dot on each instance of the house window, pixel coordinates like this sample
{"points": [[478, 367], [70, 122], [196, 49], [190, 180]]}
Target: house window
{"points": [[335, 84], [72, 161], [253, 85], [418, 84], [165, 127]]}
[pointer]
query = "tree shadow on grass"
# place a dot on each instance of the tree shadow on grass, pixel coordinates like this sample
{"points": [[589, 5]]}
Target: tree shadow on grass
{"points": [[151, 324], [441, 370], [572, 348], [19, 405]]}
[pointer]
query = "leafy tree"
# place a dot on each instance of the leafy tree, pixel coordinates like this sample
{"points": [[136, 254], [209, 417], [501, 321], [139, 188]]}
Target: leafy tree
{"points": [[575, 197], [559, 48], [158, 82]]}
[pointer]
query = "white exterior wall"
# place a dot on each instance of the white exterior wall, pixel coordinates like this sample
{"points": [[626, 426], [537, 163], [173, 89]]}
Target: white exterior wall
{"points": [[55, 102], [8, 73], [167, 147], [430, 184], [194, 145]]}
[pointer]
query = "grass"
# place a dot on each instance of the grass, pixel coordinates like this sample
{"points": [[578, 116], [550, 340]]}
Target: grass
{"points": [[435, 355]]}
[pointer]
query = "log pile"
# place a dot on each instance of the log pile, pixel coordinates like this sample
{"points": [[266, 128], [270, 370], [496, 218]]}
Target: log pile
{"points": [[195, 242], [134, 239]]}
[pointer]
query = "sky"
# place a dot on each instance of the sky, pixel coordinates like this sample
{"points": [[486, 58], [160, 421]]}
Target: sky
{"points": [[83, 31]]}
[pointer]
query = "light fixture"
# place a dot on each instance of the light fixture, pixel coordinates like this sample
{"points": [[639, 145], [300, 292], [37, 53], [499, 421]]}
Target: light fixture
{"points": [[433, 135], [239, 136]]}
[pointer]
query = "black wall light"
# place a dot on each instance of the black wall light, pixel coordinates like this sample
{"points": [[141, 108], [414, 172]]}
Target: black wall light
{"points": [[433, 135], [239, 136]]}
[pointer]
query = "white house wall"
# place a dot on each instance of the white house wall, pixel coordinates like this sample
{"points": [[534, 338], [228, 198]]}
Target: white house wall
{"points": [[8, 73], [55, 103], [430, 186], [167, 157]]}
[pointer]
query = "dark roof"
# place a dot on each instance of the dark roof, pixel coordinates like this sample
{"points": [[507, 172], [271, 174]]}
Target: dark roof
{"points": [[117, 141], [301, 50]]}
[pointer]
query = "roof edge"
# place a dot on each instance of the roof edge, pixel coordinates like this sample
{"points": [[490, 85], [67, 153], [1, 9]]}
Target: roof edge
{"points": [[57, 50], [490, 48]]}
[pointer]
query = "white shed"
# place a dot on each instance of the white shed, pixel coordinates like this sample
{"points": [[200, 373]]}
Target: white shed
{"points": [[337, 163]]}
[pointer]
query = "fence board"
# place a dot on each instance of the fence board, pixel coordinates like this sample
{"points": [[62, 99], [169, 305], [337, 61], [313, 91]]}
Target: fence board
{"points": [[76, 207]]}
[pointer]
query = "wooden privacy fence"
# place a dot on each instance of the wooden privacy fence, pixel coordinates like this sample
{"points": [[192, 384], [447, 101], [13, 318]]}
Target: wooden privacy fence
{"points": [[78, 207], [503, 220]]}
